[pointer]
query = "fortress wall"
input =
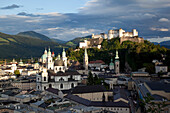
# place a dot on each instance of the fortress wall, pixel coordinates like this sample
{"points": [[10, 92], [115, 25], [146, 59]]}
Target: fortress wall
{"points": [[133, 39]]}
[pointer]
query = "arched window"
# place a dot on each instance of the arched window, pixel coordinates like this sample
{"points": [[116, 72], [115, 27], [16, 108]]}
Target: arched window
{"points": [[38, 79], [44, 88], [60, 69], [61, 86], [38, 87], [45, 78], [72, 85], [61, 79], [50, 85]]}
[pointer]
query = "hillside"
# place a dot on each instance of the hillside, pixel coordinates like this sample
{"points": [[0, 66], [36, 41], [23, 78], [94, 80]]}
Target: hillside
{"points": [[34, 34], [76, 41], [136, 55], [58, 41], [20, 46], [164, 43]]}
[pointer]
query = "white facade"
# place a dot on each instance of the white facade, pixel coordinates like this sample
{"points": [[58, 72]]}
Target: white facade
{"points": [[61, 82], [161, 68], [121, 33], [83, 44], [55, 75]]}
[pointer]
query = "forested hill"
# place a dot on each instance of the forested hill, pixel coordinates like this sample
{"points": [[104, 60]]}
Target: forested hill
{"points": [[12, 46], [134, 55]]}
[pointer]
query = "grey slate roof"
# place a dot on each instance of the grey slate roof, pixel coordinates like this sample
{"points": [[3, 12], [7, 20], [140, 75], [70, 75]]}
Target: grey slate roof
{"points": [[96, 103], [159, 86], [88, 89]]}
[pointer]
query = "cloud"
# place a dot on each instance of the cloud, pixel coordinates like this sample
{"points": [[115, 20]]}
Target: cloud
{"points": [[149, 17], [13, 6], [163, 20], [159, 29], [159, 39]]}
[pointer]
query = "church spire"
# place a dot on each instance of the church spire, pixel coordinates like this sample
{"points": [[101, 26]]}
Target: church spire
{"points": [[63, 53], [45, 51], [117, 56], [85, 61], [49, 52]]}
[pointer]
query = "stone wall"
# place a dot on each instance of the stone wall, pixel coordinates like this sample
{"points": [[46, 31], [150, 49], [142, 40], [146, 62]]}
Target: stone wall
{"points": [[133, 39]]}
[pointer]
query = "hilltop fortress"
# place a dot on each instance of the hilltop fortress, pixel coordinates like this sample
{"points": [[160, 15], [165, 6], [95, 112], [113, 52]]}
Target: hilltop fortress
{"points": [[96, 40]]}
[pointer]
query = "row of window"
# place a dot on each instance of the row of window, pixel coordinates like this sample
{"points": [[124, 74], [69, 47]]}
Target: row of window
{"points": [[115, 109], [61, 86]]}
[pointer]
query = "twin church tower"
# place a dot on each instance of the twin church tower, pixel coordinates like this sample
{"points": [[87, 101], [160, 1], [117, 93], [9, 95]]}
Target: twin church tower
{"points": [[112, 66]]}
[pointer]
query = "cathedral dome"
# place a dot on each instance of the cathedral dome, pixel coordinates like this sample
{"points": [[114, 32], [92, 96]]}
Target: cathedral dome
{"points": [[58, 63], [44, 56]]}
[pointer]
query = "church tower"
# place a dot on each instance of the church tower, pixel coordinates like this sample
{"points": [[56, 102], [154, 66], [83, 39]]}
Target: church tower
{"points": [[117, 63], [50, 64], [111, 65], [85, 60], [64, 58]]}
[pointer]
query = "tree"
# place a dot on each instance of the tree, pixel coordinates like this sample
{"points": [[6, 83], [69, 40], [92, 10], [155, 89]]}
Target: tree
{"points": [[90, 79], [17, 73], [152, 106]]}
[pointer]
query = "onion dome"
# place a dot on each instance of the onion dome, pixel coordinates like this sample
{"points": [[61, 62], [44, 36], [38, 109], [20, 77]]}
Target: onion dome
{"points": [[59, 62]]}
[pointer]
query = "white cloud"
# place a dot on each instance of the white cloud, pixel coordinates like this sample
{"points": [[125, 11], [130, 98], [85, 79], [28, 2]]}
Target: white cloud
{"points": [[159, 29], [159, 39], [163, 20], [52, 29]]}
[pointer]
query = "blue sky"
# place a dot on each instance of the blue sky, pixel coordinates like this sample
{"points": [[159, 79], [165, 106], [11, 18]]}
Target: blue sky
{"points": [[67, 19], [42, 6]]}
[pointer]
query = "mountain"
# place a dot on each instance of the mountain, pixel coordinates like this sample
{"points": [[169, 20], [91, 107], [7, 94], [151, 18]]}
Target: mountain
{"points": [[163, 43], [34, 34], [12, 46], [76, 41], [167, 43], [58, 41]]}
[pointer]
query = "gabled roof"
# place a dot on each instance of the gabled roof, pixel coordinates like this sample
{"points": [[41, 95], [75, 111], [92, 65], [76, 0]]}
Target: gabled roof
{"points": [[96, 103], [52, 90], [88, 89]]}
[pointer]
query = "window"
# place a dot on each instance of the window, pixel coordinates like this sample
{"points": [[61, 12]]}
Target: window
{"points": [[44, 78], [72, 85], [61, 86], [44, 88], [50, 85], [60, 69], [38, 79]]}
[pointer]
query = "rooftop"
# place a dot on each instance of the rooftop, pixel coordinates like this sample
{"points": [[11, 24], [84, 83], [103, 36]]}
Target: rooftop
{"points": [[88, 89]]}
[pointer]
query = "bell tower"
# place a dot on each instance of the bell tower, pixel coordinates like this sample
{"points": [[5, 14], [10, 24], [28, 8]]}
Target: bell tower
{"points": [[117, 63], [50, 64], [64, 58]]}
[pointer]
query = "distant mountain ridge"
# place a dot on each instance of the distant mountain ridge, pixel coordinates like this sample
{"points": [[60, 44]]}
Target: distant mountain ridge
{"points": [[34, 34], [76, 41], [163, 43], [12, 46]]}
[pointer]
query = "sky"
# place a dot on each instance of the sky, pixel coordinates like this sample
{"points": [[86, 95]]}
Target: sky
{"points": [[68, 19]]}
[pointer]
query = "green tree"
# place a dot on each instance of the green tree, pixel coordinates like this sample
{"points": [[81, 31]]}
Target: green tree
{"points": [[17, 73], [90, 79], [151, 106]]}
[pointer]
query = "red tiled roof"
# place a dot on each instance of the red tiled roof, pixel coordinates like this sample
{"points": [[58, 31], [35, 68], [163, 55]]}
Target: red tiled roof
{"points": [[97, 62]]}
